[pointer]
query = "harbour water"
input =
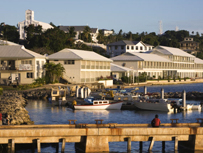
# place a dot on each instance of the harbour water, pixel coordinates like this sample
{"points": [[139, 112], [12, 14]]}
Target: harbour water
{"points": [[42, 112]]}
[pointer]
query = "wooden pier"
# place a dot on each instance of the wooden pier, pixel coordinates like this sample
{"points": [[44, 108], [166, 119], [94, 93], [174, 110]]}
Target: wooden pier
{"points": [[96, 137]]}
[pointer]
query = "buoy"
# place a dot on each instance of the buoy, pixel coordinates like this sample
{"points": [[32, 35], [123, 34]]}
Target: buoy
{"points": [[74, 102]]}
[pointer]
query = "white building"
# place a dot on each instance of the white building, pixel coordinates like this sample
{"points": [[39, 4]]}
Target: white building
{"points": [[79, 29], [18, 62], [107, 32], [82, 66], [123, 46], [162, 61], [29, 19]]}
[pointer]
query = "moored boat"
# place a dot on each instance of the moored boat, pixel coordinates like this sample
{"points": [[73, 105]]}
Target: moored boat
{"points": [[100, 105]]}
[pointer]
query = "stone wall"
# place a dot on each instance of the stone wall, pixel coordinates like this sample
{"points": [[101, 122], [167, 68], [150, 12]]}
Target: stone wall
{"points": [[13, 106]]}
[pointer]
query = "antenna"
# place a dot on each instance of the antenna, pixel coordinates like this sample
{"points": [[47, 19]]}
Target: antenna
{"points": [[177, 29], [160, 28]]}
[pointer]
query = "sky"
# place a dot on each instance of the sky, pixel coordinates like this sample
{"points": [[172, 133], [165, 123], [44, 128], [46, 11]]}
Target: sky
{"points": [[128, 15]]}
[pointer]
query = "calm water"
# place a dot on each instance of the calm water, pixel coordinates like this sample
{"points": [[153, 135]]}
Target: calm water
{"points": [[42, 112]]}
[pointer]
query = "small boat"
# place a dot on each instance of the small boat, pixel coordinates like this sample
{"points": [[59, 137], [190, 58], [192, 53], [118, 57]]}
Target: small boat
{"points": [[196, 107], [58, 96], [100, 105], [154, 106]]}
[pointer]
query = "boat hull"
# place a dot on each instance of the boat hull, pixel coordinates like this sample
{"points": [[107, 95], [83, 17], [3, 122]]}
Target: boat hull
{"points": [[153, 106], [111, 106]]}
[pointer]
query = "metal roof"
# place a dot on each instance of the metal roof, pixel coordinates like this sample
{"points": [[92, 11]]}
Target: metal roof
{"points": [[17, 51], [74, 54], [118, 68], [126, 42], [134, 56], [171, 51], [198, 61]]}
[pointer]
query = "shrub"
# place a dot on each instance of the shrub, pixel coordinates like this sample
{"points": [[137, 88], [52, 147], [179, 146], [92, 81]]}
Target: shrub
{"points": [[1, 91]]}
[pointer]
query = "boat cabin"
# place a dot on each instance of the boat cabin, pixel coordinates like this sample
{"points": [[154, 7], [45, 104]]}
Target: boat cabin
{"points": [[100, 102], [58, 93]]}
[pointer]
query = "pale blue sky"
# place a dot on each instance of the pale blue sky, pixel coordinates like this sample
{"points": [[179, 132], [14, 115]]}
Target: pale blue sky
{"points": [[128, 15]]}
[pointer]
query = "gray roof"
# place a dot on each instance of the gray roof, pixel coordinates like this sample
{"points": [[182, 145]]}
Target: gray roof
{"points": [[126, 42], [171, 51], [17, 51], [118, 68], [134, 56], [77, 28], [5, 42], [74, 54]]}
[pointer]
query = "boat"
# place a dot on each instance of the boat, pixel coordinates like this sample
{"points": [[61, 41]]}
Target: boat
{"points": [[100, 105], [154, 106], [58, 96], [196, 107]]}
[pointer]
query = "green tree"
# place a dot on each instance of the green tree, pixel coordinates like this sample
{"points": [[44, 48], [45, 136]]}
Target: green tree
{"points": [[10, 33], [86, 34], [72, 32], [53, 72]]}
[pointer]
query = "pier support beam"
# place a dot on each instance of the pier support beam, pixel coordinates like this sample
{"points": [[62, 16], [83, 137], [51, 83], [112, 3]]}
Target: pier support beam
{"points": [[129, 144], [93, 144], [38, 146], [11, 146], [63, 145], [163, 145], [141, 145], [176, 143], [151, 144]]}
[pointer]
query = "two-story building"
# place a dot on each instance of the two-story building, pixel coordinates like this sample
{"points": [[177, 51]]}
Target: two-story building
{"points": [[79, 29], [189, 45], [123, 46], [29, 19], [162, 61], [82, 66], [21, 65]]}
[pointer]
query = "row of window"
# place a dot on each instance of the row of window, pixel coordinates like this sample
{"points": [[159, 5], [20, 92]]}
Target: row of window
{"points": [[94, 67], [169, 65]]}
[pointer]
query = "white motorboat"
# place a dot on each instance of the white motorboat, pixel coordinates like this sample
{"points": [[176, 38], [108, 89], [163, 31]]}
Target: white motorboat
{"points": [[154, 106], [100, 105], [196, 107]]}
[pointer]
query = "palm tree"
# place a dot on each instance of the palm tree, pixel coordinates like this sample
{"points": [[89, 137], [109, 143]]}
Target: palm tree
{"points": [[53, 72]]}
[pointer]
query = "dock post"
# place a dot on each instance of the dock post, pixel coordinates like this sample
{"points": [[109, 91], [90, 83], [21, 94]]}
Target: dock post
{"points": [[11, 146], [129, 144], [184, 99], [63, 145], [162, 93], [141, 145], [38, 146], [145, 90], [176, 144], [76, 91], [163, 146], [57, 147], [151, 144]]}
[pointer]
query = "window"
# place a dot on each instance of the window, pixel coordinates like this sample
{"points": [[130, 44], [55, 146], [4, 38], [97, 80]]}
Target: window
{"points": [[69, 62], [29, 75], [127, 47], [136, 47], [140, 47], [132, 47], [145, 48], [122, 47]]}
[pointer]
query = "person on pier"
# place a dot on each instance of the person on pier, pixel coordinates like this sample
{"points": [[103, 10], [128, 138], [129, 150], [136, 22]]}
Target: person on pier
{"points": [[156, 121]]}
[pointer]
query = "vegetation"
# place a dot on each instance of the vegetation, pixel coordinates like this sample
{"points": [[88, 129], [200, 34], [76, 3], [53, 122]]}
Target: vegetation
{"points": [[1, 91], [54, 39], [53, 72]]}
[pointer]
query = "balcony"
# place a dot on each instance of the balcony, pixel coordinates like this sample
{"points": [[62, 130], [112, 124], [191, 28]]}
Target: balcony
{"points": [[21, 67]]}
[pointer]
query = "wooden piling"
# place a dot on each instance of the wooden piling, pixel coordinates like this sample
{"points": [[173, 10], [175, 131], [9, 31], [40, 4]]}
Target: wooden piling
{"points": [[141, 145], [129, 144], [163, 145], [176, 144], [151, 144], [38, 146], [63, 145]]}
